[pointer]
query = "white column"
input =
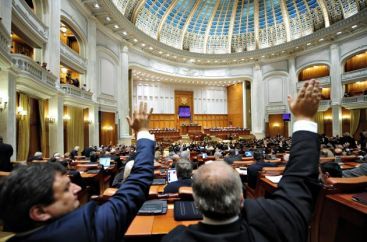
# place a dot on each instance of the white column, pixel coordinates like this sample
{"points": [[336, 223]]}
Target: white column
{"points": [[8, 115], [292, 87], [56, 134], [91, 79], [52, 48], [257, 103], [94, 126], [123, 97], [5, 13], [336, 89]]}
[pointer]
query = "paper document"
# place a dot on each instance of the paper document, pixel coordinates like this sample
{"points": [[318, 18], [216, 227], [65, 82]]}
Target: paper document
{"points": [[274, 179]]}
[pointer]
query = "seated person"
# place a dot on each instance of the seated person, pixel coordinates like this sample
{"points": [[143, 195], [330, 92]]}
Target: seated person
{"points": [[253, 170], [217, 191], [37, 156], [123, 174], [39, 203], [74, 152], [329, 169], [184, 173], [232, 157], [361, 170]]}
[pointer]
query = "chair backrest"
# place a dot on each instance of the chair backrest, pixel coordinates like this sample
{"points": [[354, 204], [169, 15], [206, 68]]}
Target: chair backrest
{"points": [[347, 184], [272, 171], [185, 193]]}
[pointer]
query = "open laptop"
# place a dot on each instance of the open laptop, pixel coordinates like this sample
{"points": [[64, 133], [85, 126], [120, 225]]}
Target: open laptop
{"points": [[105, 162], [248, 153], [171, 175], [204, 155]]}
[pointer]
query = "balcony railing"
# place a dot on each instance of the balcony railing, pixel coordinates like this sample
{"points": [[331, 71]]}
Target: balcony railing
{"points": [[32, 70], [72, 58], [354, 76], [76, 91], [355, 102], [324, 82], [4, 42], [29, 22], [324, 105]]}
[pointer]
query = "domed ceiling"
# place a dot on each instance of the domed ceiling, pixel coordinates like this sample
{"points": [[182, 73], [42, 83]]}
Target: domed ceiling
{"points": [[230, 26]]}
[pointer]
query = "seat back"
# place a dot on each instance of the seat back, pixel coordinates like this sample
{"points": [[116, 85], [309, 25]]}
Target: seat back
{"points": [[185, 193]]}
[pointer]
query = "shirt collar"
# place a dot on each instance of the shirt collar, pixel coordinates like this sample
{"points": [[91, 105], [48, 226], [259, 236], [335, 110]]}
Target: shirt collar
{"points": [[210, 221]]}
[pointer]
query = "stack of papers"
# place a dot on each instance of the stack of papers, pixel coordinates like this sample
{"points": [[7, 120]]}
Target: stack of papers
{"points": [[274, 179]]}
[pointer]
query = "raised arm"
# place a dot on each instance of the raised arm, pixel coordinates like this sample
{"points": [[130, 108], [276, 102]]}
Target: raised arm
{"points": [[285, 216], [114, 217]]}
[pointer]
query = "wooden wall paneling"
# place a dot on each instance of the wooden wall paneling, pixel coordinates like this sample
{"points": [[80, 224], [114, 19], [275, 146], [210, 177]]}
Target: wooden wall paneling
{"points": [[65, 131], [107, 132], [86, 127], [276, 125], [314, 72], [35, 127], [356, 62], [328, 124], [235, 105], [362, 124]]}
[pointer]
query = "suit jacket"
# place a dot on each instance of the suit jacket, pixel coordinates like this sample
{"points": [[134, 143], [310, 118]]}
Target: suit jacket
{"points": [[6, 151], [174, 186], [109, 221], [361, 170], [283, 217]]}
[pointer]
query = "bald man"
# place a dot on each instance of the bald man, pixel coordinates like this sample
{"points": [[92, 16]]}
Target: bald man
{"points": [[217, 191]]}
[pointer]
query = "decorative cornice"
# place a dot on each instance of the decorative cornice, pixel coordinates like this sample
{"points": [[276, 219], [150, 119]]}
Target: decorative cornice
{"points": [[285, 15], [256, 23], [77, 92], [72, 59], [354, 76], [28, 22], [355, 102], [5, 39], [324, 105]]}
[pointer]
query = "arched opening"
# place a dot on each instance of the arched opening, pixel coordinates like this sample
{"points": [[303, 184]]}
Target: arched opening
{"points": [[356, 62], [70, 76], [69, 37], [316, 71]]}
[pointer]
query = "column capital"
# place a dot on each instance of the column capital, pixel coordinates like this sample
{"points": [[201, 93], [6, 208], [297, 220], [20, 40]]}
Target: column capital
{"points": [[124, 49]]}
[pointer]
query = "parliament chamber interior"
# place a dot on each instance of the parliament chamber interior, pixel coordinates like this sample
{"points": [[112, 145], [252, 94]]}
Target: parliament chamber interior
{"points": [[217, 74]]}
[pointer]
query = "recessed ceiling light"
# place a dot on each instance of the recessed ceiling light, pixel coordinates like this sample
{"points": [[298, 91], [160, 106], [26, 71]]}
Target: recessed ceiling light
{"points": [[160, 52], [96, 5], [272, 54], [150, 47], [208, 61], [124, 33], [116, 26], [135, 40], [308, 44], [251, 58], [297, 47], [234, 60], [216, 61], [242, 59], [108, 19], [321, 39], [263, 56], [143, 45], [175, 57], [339, 33], [283, 51], [167, 54], [354, 26], [184, 59]]}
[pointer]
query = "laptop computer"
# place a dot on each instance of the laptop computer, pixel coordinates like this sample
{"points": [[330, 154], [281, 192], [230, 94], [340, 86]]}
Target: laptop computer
{"points": [[248, 153], [153, 207], [171, 175], [105, 162]]}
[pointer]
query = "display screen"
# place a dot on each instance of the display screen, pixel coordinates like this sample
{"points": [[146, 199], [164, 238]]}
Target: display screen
{"points": [[184, 112], [286, 116]]}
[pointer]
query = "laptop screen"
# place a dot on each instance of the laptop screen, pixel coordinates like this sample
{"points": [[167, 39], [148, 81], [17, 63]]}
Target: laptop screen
{"points": [[205, 155], [105, 161], [248, 153], [171, 175]]}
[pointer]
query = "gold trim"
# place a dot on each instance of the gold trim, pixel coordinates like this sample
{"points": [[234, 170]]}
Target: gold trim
{"points": [[285, 20], [188, 20], [169, 9], [136, 11], [207, 31], [322, 5], [231, 25], [256, 23]]}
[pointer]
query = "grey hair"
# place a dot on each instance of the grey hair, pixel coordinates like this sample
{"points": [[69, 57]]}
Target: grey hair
{"points": [[184, 169], [185, 155], [217, 190]]}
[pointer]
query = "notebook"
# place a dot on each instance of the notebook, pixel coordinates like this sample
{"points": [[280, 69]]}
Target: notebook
{"points": [[171, 175], [152, 207], [186, 210], [159, 181]]}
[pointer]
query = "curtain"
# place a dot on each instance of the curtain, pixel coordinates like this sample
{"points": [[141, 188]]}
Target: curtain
{"points": [[43, 135], [354, 120], [319, 119], [75, 128], [23, 128]]}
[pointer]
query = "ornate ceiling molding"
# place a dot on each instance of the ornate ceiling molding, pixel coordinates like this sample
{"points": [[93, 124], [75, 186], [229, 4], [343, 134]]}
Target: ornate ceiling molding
{"points": [[207, 31], [230, 34], [324, 12], [137, 11], [184, 29], [164, 18], [285, 15]]}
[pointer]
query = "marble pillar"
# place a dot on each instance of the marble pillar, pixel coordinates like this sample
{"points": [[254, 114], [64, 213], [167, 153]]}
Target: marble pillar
{"points": [[257, 103], [56, 130], [336, 91]]}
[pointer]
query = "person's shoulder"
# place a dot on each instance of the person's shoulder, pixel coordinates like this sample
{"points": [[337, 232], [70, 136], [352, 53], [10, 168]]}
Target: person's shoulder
{"points": [[176, 234]]}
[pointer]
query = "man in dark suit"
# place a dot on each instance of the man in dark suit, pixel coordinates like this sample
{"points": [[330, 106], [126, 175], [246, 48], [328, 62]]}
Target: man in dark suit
{"points": [[184, 173], [39, 203], [6, 151], [284, 217], [232, 157]]}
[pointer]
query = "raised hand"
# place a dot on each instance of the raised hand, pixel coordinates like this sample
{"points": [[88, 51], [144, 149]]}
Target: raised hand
{"points": [[305, 106], [140, 119]]}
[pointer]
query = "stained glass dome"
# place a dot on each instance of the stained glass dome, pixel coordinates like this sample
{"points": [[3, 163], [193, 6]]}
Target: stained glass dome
{"points": [[231, 26]]}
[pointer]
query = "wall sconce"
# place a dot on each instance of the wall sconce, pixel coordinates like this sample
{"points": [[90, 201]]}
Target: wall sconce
{"points": [[107, 128], [3, 104], [346, 116], [276, 125], [328, 118], [50, 120], [66, 117], [21, 113], [88, 121]]}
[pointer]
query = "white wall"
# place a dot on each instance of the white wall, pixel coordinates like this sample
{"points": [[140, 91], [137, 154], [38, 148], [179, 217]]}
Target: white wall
{"points": [[161, 96]]}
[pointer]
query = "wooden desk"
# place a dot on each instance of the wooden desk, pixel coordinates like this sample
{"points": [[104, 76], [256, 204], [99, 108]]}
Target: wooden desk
{"points": [[342, 219], [154, 189], [155, 224]]}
